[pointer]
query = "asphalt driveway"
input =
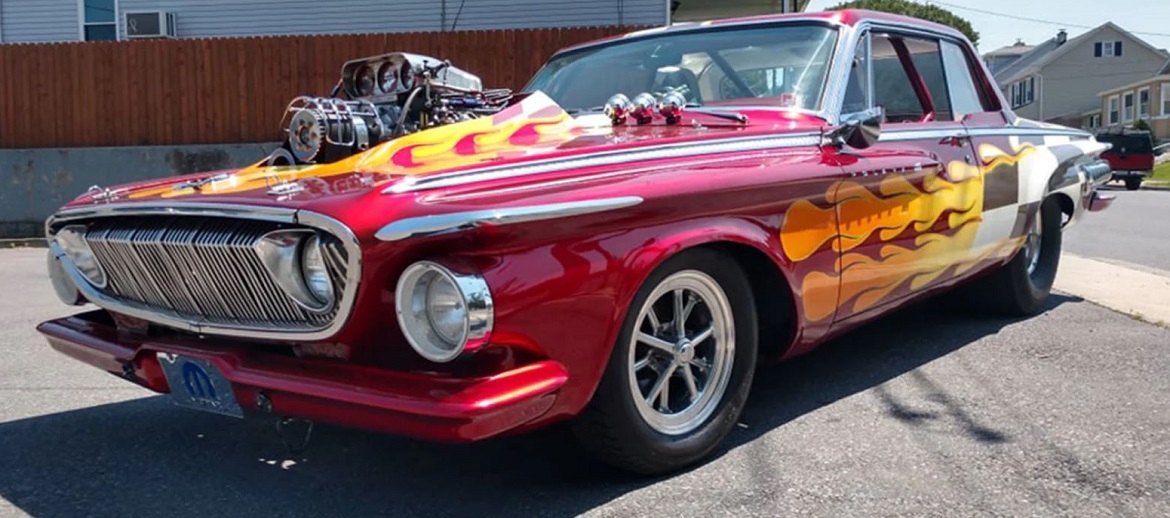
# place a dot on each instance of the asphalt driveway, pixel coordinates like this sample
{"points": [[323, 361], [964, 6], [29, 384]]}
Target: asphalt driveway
{"points": [[931, 412]]}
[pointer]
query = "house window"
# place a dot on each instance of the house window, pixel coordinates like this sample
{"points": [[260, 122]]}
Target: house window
{"points": [[1114, 103], [99, 20], [1127, 107], [1144, 103], [1023, 92], [1107, 49], [1166, 99], [1095, 121]]}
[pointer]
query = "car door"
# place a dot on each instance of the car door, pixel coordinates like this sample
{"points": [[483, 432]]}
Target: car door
{"points": [[909, 207]]}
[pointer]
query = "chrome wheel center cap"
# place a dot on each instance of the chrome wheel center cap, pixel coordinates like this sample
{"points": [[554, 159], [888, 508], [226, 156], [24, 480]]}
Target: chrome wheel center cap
{"points": [[684, 351]]}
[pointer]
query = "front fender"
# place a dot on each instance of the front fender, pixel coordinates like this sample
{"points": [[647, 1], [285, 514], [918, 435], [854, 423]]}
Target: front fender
{"points": [[567, 301]]}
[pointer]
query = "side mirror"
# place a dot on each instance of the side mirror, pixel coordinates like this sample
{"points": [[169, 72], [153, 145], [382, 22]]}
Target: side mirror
{"points": [[858, 130]]}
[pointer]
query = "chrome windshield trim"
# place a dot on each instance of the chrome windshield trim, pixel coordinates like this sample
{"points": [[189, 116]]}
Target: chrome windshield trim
{"points": [[424, 226], [168, 319], [604, 158]]}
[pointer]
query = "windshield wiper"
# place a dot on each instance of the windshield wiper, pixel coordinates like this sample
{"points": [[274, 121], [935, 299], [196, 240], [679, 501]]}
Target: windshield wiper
{"points": [[716, 112]]}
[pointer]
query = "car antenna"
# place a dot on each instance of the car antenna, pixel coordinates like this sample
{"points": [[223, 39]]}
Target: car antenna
{"points": [[457, 13]]}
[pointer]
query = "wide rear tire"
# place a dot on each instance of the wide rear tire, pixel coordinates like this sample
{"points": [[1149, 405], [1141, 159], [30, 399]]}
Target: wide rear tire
{"points": [[1021, 287], [669, 397]]}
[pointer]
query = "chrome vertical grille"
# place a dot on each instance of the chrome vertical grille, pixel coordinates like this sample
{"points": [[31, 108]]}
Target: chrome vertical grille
{"points": [[205, 270]]}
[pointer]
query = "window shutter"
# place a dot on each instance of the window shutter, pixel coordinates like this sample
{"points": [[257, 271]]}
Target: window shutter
{"points": [[1117, 48], [1097, 49]]}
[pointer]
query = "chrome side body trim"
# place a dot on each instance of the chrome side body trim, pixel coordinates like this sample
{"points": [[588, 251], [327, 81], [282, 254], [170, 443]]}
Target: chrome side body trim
{"points": [[276, 214], [447, 223], [676, 150], [1006, 131]]}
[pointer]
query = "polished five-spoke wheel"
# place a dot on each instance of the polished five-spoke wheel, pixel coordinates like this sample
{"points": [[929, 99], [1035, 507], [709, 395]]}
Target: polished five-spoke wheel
{"points": [[681, 368], [682, 352]]}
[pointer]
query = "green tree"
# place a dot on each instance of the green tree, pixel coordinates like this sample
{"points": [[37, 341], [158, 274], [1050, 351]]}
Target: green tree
{"points": [[906, 7], [1142, 125]]}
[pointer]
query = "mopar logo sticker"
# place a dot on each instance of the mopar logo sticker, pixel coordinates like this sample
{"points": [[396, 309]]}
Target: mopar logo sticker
{"points": [[198, 384]]}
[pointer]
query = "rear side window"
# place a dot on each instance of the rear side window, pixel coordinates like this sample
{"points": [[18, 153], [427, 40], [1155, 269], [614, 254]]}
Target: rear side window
{"points": [[965, 98]]}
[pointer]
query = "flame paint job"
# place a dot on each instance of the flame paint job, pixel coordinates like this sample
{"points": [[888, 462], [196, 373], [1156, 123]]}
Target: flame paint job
{"points": [[844, 235], [535, 122]]}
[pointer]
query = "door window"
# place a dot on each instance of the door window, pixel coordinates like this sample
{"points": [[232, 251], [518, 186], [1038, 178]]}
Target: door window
{"points": [[893, 90]]}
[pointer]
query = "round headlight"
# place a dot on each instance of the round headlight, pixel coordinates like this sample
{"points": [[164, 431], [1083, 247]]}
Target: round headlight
{"points": [[315, 273], [442, 312], [62, 284], [71, 239]]}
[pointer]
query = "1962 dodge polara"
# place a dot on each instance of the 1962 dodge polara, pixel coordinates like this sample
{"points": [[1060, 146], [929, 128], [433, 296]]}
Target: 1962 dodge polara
{"points": [[618, 245]]}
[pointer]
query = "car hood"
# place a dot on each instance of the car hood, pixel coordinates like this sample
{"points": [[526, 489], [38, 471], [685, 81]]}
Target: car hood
{"points": [[532, 131]]}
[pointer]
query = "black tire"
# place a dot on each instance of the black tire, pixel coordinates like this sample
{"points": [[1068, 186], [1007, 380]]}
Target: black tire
{"points": [[611, 426], [1011, 290], [1133, 183]]}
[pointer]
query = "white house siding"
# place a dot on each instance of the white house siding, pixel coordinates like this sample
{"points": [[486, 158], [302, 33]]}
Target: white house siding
{"points": [[1071, 83], [34, 21], [203, 18]]}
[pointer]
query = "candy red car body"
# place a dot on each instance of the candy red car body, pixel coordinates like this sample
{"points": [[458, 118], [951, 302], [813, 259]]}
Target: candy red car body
{"points": [[537, 238]]}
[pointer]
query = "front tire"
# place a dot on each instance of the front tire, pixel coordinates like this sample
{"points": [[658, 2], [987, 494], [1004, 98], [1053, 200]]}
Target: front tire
{"points": [[1021, 287], [681, 369]]}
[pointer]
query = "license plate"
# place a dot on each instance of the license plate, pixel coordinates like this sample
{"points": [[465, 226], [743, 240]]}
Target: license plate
{"points": [[196, 383]]}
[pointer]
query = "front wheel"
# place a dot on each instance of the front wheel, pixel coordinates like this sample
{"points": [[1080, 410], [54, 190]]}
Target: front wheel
{"points": [[680, 372], [1021, 287]]}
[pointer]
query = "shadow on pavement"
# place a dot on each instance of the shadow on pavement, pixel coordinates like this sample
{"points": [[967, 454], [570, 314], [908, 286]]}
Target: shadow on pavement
{"points": [[147, 458]]}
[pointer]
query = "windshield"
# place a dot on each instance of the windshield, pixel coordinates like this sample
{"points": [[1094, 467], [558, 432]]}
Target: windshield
{"points": [[782, 66]]}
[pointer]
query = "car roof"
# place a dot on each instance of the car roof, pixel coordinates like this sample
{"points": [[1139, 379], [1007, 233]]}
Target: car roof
{"points": [[845, 17]]}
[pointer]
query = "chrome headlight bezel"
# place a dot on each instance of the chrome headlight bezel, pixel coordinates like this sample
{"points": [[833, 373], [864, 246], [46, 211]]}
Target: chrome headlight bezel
{"points": [[417, 318], [283, 254], [63, 284], [313, 257], [71, 240]]}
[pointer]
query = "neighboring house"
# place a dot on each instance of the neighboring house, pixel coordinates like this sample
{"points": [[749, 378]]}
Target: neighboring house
{"points": [[1000, 58], [1147, 100], [30, 21], [701, 10], [1059, 79]]}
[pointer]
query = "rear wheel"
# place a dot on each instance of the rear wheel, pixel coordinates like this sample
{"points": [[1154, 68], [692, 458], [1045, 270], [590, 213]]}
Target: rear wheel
{"points": [[1133, 183], [681, 369], [1022, 286]]}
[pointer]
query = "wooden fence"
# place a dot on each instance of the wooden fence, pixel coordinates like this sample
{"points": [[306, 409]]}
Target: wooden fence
{"points": [[211, 91]]}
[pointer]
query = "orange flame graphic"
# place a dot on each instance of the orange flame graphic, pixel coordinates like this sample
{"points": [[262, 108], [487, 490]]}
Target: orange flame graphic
{"points": [[533, 124], [856, 214]]}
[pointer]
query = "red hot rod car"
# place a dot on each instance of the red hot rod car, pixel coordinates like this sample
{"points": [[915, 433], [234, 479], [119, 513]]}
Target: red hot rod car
{"points": [[618, 244]]}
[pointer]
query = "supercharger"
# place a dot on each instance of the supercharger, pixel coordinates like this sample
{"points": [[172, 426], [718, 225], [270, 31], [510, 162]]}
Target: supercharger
{"points": [[379, 99]]}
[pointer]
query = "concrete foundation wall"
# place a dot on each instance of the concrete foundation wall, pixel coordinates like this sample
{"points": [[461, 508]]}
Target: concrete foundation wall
{"points": [[36, 182]]}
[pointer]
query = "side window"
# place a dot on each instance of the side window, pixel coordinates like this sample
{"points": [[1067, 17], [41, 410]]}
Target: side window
{"points": [[965, 98], [927, 58], [893, 90]]}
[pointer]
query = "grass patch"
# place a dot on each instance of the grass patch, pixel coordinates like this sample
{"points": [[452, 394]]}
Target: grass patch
{"points": [[1161, 173]]}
